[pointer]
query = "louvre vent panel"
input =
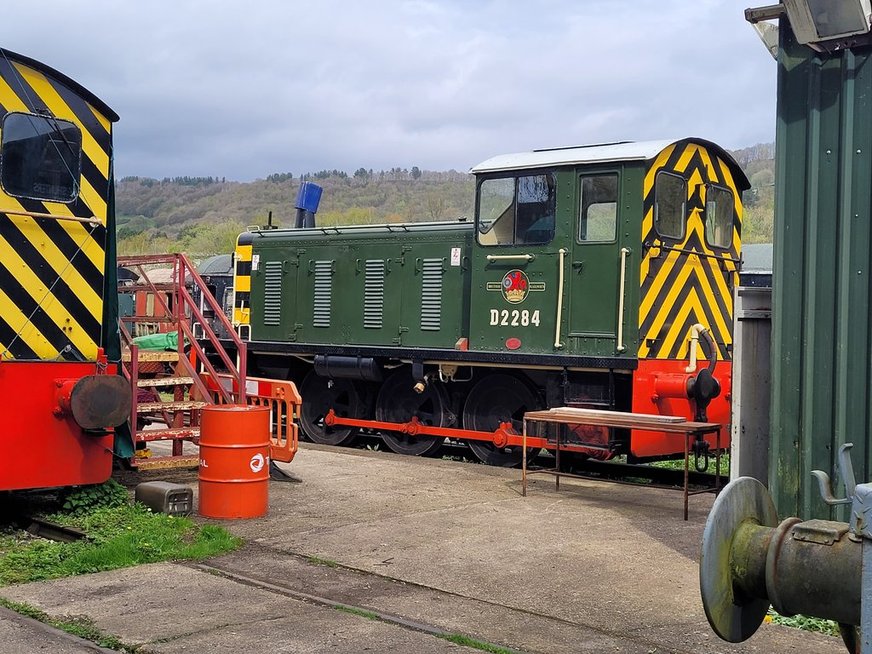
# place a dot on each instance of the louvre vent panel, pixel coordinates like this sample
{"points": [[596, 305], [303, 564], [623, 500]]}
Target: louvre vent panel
{"points": [[431, 295], [322, 304], [374, 294], [272, 293]]}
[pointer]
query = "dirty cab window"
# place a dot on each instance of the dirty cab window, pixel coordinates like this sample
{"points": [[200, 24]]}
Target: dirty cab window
{"points": [[598, 213], [40, 157], [670, 202], [718, 217], [516, 210]]}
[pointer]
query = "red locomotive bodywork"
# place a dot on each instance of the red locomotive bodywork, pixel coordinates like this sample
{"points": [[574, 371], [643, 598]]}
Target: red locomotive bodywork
{"points": [[649, 397], [43, 445]]}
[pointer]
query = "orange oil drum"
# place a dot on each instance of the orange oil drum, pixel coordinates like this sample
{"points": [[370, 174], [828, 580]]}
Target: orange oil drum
{"points": [[234, 461]]}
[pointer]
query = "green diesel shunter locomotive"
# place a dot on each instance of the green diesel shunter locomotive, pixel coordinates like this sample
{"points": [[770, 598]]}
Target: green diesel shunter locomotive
{"points": [[587, 278]]}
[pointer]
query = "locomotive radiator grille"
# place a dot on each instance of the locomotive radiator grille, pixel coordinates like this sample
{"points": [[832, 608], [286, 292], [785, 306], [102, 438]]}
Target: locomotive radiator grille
{"points": [[323, 301], [374, 294], [272, 293], [431, 295]]}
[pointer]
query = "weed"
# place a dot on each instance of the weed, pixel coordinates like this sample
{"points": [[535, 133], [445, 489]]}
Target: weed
{"points": [[804, 622], [80, 626], [119, 537], [369, 615], [317, 560], [466, 641], [83, 499]]}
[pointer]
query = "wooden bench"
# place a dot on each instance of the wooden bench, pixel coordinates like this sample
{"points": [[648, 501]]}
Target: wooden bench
{"points": [[618, 419]]}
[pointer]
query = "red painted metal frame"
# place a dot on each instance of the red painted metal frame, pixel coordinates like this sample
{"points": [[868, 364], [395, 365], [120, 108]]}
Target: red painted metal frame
{"points": [[43, 446], [181, 309]]}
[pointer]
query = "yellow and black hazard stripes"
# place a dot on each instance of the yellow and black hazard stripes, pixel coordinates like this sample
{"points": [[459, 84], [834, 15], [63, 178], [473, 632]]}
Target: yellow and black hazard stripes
{"points": [[52, 271], [686, 280], [242, 281]]}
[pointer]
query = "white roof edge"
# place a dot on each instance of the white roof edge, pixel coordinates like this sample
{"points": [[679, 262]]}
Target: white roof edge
{"points": [[611, 152]]}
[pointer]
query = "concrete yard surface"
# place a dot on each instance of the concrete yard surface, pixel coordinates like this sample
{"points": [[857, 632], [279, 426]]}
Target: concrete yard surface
{"points": [[379, 552]]}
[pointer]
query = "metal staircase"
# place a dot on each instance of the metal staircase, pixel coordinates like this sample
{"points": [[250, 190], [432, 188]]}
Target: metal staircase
{"points": [[171, 387]]}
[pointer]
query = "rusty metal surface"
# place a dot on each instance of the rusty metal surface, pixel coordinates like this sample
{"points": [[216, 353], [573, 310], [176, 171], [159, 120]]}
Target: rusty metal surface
{"points": [[100, 401]]}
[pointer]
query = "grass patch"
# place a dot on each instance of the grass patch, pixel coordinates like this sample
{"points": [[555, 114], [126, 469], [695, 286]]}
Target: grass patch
{"points": [[118, 537], [369, 615], [466, 641], [804, 622], [678, 464], [80, 626], [317, 560]]}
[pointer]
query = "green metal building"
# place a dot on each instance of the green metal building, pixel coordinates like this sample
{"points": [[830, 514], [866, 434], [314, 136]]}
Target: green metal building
{"points": [[822, 336]]}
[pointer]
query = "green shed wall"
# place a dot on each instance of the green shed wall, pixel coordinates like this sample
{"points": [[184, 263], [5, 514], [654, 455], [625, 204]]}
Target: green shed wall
{"points": [[821, 279]]}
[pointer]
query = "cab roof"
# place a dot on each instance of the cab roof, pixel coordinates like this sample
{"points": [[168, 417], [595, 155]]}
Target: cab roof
{"points": [[599, 153]]}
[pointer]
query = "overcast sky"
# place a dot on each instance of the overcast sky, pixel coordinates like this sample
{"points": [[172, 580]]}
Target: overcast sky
{"points": [[245, 89]]}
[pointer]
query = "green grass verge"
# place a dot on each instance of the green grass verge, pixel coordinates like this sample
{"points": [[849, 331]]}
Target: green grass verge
{"points": [[80, 626], [118, 537]]}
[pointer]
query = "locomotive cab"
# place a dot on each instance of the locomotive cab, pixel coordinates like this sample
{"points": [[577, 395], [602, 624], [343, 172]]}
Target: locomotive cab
{"points": [[59, 398]]}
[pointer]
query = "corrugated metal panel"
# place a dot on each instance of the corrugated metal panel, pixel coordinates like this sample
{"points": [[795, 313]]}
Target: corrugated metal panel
{"points": [[272, 293], [431, 294], [821, 286], [322, 304], [374, 294]]}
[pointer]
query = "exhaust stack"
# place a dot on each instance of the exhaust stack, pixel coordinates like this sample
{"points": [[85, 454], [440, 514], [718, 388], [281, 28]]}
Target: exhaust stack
{"points": [[308, 199]]}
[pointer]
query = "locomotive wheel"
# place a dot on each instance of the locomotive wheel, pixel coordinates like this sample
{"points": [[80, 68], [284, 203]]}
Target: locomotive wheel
{"points": [[319, 396], [398, 402], [494, 399]]}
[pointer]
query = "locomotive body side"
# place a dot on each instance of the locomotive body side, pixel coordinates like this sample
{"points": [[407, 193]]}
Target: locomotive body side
{"points": [[550, 298], [58, 398]]}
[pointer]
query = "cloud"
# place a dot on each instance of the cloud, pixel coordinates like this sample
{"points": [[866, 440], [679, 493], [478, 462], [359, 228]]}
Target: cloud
{"points": [[245, 89]]}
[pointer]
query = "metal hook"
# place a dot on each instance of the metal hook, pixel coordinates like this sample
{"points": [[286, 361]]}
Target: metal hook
{"points": [[846, 468]]}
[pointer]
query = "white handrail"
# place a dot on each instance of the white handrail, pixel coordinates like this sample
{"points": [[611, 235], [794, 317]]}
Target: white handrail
{"points": [[510, 257], [624, 253], [562, 253], [51, 216]]}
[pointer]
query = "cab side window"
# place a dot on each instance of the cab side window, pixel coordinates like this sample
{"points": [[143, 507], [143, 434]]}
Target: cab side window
{"points": [[598, 210], [719, 207], [40, 157], [670, 205], [516, 210]]}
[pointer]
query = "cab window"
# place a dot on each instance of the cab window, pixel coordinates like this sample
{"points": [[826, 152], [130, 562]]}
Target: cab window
{"points": [[719, 208], [516, 210], [598, 210], [670, 205], [40, 157]]}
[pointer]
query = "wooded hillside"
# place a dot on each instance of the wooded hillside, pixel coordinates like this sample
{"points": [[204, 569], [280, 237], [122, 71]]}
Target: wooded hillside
{"points": [[203, 215]]}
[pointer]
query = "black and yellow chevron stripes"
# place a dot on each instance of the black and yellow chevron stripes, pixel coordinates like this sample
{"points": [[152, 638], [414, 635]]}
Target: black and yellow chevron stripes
{"points": [[687, 282], [52, 271], [242, 281]]}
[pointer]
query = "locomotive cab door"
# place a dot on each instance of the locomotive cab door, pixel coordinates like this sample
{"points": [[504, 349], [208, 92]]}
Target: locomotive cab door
{"points": [[595, 266], [515, 262]]}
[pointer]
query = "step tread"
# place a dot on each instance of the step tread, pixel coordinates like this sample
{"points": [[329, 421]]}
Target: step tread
{"points": [[175, 433], [165, 381], [151, 355], [163, 462], [184, 405]]}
